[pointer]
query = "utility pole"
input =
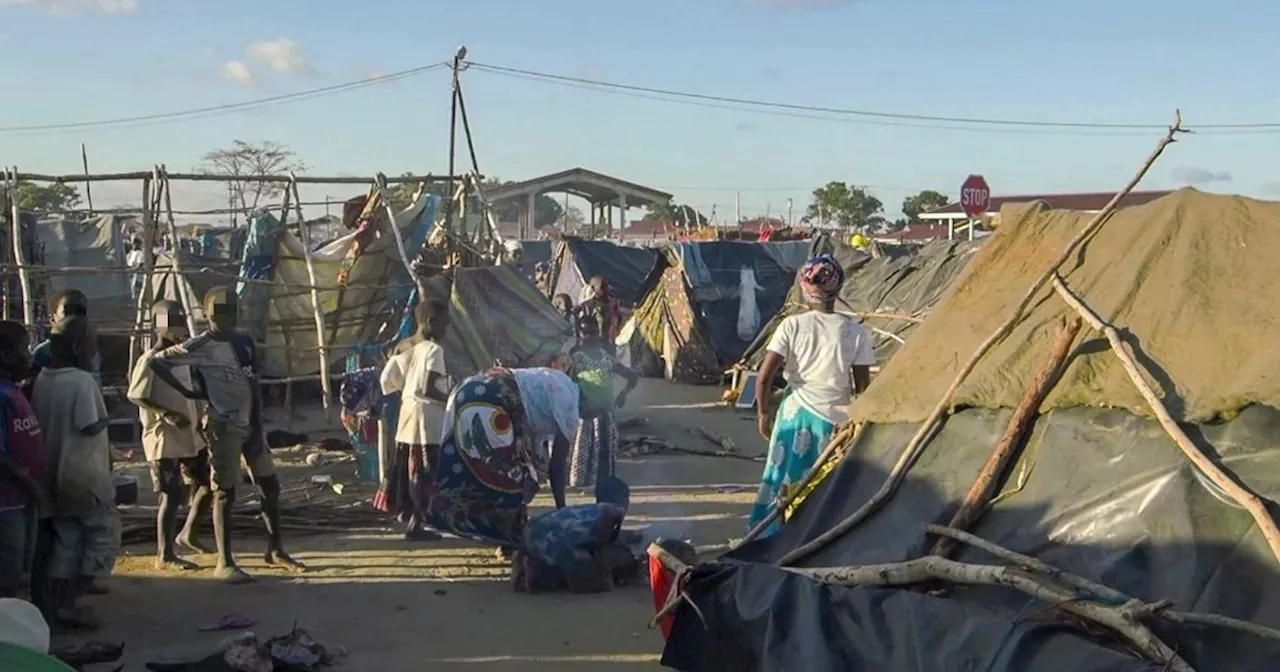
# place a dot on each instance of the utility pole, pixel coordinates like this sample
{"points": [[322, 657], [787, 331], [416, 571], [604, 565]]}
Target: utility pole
{"points": [[458, 58], [737, 208], [789, 220]]}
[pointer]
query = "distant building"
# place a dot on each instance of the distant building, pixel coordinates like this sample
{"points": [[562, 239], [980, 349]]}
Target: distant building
{"points": [[952, 214]]}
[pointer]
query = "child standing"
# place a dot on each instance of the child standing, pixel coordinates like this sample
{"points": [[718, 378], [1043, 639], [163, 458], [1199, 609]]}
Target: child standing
{"points": [[21, 461], [85, 527], [171, 440], [417, 372]]}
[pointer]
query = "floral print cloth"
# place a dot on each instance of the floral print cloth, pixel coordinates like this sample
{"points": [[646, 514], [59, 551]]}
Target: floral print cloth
{"points": [[799, 436]]}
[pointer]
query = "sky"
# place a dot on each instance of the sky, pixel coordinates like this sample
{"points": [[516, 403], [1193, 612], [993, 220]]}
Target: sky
{"points": [[1131, 62]]}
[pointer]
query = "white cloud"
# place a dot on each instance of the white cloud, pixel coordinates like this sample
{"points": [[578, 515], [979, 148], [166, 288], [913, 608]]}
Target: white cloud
{"points": [[1199, 176], [238, 72], [280, 55], [78, 6]]}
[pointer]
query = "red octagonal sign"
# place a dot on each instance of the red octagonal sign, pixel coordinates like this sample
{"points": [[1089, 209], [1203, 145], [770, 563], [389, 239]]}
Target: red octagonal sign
{"points": [[975, 196]]}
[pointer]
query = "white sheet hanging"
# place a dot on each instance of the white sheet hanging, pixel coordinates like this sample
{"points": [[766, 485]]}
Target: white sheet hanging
{"points": [[748, 311]]}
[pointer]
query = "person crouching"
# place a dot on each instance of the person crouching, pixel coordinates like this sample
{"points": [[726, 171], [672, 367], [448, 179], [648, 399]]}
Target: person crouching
{"points": [[84, 530]]}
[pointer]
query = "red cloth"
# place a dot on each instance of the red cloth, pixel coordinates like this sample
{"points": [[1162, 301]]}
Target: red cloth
{"points": [[660, 580]]}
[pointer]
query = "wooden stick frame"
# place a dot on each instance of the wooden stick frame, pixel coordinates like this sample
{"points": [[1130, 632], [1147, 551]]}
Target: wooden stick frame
{"points": [[317, 312]]}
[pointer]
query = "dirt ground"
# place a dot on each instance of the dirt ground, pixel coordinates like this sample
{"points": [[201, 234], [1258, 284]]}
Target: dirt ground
{"points": [[447, 605]]}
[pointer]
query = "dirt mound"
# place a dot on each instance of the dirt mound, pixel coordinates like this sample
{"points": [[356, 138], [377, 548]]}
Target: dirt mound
{"points": [[1188, 280]]}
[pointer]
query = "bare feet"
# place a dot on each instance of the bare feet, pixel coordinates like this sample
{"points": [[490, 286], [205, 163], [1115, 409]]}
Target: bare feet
{"points": [[282, 559], [234, 576], [191, 545], [176, 564]]}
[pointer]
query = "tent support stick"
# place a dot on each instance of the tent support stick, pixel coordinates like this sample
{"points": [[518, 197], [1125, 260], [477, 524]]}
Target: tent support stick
{"points": [[918, 442], [141, 332], [15, 235], [380, 187], [1105, 593], [322, 349], [978, 498], [290, 351], [176, 252], [1240, 494]]}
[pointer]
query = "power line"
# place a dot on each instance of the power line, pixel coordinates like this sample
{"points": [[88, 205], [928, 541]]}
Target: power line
{"points": [[213, 110], [869, 115]]}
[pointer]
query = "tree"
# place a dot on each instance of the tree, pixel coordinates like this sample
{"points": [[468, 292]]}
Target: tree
{"points": [[850, 207], [571, 220], [683, 216], [242, 160], [47, 197], [924, 201]]}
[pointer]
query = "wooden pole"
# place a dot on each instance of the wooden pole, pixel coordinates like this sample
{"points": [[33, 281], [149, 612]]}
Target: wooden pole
{"points": [[19, 258], [285, 329], [316, 311], [175, 252], [84, 161], [10, 191], [1240, 494], [210, 177], [976, 500], [142, 317], [380, 187], [918, 442]]}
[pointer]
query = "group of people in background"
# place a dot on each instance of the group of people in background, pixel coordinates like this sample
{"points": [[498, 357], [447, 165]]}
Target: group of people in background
{"points": [[201, 418]]}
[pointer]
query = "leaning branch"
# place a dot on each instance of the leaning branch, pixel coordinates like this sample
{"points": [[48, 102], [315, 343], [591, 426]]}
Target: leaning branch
{"points": [[1246, 498], [1105, 593], [918, 442]]}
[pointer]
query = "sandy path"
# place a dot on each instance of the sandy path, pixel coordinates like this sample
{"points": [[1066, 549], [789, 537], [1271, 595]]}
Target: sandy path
{"points": [[396, 606]]}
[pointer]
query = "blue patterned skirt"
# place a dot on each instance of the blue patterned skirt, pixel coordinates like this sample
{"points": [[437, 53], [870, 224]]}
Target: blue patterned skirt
{"points": [[799, 436], [487, 469]]}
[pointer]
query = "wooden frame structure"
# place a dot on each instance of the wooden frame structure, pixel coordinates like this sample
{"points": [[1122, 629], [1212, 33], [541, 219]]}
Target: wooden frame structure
{"points": [[157, 218]]}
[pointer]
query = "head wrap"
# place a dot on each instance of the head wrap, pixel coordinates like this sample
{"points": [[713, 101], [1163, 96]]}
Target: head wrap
{"points": [[821, 279]]}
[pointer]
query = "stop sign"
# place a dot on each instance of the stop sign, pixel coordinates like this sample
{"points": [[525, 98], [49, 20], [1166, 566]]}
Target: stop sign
{"points": [[975, 196]]}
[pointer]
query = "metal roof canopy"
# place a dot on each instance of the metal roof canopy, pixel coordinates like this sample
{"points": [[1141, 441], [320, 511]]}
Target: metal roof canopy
{"points": [[590, 185]]}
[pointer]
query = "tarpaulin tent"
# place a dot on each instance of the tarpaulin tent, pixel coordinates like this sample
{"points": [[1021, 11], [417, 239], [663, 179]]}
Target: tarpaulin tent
{"points": [[1099, 489], [631, 271], [889, 294], [94, 243], [690, 327], [353, 310], [496, 314]]}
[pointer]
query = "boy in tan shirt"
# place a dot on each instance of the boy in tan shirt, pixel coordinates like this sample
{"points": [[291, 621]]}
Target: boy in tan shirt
{"points": [[175, 449]]}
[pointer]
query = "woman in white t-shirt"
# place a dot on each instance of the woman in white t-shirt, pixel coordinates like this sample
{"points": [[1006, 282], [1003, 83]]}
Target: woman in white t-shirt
{"points": [[417, 372], [825, 357]]}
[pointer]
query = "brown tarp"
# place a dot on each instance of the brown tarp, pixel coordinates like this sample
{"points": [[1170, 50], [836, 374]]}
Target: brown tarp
{"points": [[1187, 279]]}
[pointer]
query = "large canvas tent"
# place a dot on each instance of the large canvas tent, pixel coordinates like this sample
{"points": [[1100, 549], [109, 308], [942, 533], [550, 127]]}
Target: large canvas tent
{"points": [[890, 293], [631, 271], [1099, 489], [687, 328]]}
